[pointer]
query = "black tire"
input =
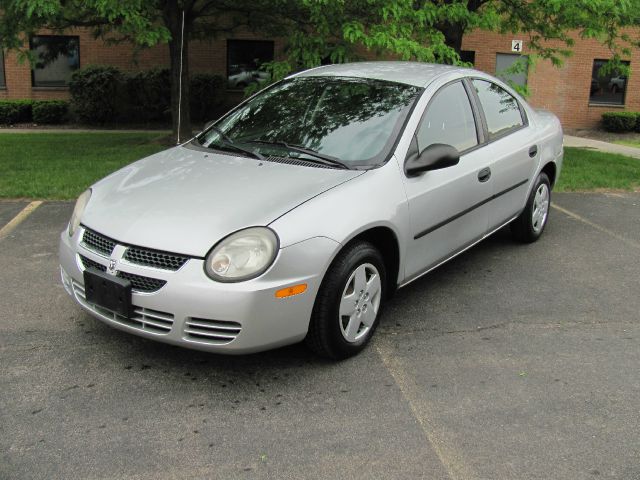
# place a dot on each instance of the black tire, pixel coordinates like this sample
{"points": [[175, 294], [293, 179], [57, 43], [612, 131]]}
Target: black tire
{"points": [[325, 335], [523, 228]]}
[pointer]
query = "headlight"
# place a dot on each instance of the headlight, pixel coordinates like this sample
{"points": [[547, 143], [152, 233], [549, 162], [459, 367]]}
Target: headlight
{"points": [[78, 210], [242, 255]]}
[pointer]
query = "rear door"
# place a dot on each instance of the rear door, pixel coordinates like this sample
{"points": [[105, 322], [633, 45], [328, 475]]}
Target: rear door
{"points": [[511, 148], [446, 207]]}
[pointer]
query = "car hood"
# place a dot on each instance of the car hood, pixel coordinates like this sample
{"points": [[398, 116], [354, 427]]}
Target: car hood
{"points": [[184, 200]]}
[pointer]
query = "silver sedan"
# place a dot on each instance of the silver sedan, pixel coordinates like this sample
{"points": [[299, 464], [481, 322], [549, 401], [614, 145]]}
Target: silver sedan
{"points": [[295, 215]]}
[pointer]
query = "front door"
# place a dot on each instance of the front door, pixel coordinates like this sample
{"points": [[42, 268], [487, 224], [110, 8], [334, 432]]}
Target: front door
{"points": [[447, 207]]}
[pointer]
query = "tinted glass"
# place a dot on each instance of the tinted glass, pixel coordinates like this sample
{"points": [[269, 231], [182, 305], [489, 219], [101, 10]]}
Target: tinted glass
{"points": [[506, 61], [468, 56], [501, 109], [244, 59], [57, 58], [448, 120], [607, 88], [2, 80], [354, 120]]}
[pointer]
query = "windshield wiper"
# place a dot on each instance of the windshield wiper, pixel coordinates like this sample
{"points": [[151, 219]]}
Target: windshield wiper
{"points": [[233, 146], [318, 157], [219, 131]]}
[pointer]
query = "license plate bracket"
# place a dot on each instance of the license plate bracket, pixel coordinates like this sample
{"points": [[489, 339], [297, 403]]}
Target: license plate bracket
{"points": [[108, 291]]}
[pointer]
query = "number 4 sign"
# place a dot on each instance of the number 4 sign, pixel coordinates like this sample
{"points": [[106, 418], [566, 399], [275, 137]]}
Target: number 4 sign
{"points": [[516, 45]]}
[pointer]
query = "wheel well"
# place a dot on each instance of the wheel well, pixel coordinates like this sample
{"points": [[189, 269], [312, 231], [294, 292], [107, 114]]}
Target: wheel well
{"points": [[550, 170], [385, 240]]}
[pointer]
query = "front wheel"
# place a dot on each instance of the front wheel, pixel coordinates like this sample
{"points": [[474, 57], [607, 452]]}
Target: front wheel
{"points": [[349, 302], [530, 224]]}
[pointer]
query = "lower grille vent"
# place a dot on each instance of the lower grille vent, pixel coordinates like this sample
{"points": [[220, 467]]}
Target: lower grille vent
{"points": [[214, 332], [143, 318]]}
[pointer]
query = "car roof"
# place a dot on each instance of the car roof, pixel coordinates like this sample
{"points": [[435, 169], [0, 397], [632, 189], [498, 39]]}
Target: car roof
{"points": [[411, 73]]}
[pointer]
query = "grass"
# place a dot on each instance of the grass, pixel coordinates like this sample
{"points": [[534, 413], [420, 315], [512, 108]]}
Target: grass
{"points": [[62, 165], [629, 143], [591, 170]]}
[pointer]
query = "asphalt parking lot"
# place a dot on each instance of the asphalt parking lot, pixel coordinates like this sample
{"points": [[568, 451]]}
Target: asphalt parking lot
{"points": [[510, 362]]}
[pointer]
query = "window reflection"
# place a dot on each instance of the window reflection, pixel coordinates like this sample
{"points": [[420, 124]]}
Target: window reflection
{"points": [[350, 119], [607, 88], [244, 59], [449, 120], [57, 57], [500, 108]]}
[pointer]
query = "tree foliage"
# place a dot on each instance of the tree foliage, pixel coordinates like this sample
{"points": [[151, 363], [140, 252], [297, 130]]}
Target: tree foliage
{"points": [[319, 31]]}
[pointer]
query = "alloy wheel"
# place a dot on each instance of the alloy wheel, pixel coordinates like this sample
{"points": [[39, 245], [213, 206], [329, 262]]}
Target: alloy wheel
{"points": [[540, 208], [360, 302]]}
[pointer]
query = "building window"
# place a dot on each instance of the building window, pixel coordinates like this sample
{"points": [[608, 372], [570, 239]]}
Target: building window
{"points": [[57, 57], [468, 56], [607, 88], [3, 83], [504, 61], [244, 59]]}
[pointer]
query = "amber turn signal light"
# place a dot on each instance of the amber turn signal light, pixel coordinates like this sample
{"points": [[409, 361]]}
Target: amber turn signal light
{"points": [[290, 291]]}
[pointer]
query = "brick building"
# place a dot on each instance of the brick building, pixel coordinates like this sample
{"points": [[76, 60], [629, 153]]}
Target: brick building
{"points": [[575, 92]]}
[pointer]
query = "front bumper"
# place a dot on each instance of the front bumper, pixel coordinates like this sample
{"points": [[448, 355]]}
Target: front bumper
{"points": [[193, 311]]}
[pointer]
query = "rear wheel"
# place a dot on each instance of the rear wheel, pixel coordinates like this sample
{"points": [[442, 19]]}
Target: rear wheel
{"points": [[349, 303], [530, 224]]}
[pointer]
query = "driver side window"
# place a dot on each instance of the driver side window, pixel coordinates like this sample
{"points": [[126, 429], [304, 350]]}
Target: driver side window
{"points": [[449, 120]]}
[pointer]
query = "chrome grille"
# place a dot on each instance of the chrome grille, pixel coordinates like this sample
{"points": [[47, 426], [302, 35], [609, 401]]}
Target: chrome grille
{"points": [[97, 242], [138, 282], [88, 263], [215, 332], [155, 258], [143, 318], [143, 284]]}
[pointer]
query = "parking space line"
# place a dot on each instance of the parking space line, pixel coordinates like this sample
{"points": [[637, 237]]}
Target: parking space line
{"points": [[450, 460], [625, 240], [19, 218]]}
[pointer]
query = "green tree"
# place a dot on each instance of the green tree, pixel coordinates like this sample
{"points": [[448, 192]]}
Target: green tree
{"points": [[330, 30]]}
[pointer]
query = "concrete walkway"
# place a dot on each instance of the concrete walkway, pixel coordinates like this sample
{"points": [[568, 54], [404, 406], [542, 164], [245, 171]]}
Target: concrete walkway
{"points": [[581, 142]]}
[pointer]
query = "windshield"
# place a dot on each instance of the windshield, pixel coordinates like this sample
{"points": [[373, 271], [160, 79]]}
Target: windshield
{"points": [[354, 121]]}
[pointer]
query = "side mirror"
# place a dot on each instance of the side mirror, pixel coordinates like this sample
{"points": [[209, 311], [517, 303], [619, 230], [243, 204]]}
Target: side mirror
{"points": [[434, 157]]}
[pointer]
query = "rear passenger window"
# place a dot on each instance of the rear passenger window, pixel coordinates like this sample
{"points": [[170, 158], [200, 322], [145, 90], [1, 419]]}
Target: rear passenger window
{"points": [[449, 120], [501, 109]]}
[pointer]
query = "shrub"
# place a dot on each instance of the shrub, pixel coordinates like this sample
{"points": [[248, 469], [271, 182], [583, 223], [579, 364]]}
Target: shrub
{"points": [[15, 111], [620, 121], [96, 94], [206, 96], [149, 95], [50, 111]]}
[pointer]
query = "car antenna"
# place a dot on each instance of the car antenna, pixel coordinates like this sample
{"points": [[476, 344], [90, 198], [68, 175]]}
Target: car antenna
{"points": [[180, 81]]}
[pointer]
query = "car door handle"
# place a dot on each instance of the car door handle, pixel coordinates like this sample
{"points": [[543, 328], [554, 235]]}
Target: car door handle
{"points": [[484, 174], [533, 151]]}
